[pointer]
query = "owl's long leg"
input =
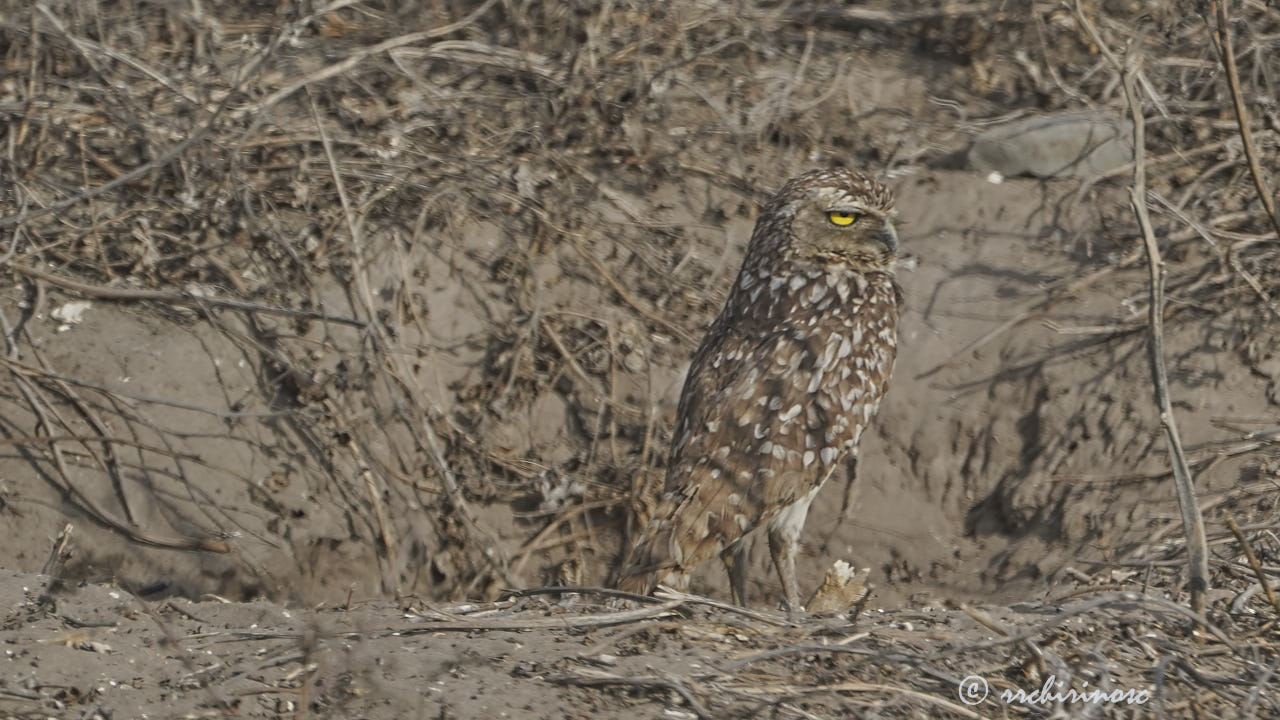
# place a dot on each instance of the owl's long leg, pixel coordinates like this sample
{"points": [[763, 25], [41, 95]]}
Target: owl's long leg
{"points": [[784, 541], [782, 546], [735, 562]]}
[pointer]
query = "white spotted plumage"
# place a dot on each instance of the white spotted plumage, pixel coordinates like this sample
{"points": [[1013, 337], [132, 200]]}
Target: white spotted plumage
{"points": [[782, 386]]}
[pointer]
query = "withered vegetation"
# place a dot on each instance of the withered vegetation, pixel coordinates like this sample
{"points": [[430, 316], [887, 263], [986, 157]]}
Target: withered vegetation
{"points": [[377, 237]]}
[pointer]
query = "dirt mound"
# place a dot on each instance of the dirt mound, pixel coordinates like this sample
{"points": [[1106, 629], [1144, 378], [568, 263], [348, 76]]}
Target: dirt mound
{"points": [[332, 306]]}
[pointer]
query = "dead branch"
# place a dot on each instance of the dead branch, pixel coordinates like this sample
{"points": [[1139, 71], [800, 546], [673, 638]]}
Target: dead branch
{"points": [[1192, 521], [362, 54], [201, 131], [1226, 52], [1253, 562], [588, 678], [186, 299]]}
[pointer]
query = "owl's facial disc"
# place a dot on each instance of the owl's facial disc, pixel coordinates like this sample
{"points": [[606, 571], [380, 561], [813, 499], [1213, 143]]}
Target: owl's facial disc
{"points": [[832, 229]]}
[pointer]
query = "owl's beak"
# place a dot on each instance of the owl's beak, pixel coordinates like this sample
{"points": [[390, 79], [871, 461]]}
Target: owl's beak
{"points": [[888, 236]]}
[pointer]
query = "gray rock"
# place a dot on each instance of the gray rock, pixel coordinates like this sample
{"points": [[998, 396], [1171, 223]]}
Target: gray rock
{"points": [[1076, 145]]}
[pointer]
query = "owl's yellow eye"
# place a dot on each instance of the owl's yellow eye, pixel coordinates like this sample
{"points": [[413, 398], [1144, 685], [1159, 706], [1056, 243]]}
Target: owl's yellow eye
{"points": [[842, 218]]}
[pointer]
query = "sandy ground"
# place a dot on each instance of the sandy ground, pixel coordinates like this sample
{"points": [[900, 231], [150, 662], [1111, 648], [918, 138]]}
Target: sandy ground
{"points": [[284, 516], [96, 651]]}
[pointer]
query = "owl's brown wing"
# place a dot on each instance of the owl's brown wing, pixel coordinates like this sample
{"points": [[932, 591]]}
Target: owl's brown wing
{"points": [[761, 425], [777, 395]]}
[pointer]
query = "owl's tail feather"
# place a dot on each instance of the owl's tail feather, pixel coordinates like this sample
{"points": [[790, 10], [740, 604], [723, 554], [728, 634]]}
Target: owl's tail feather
{"points": [[655, 558], [644, 583], [640, 583]]}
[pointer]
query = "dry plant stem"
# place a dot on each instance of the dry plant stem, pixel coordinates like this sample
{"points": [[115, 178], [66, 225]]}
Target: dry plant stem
{"points": [[558, 343], [1034, 309], [990, 623], [664, 683], [203, 129], [845, 687], [539, 542], [558, 541], [42, 411], [1246, 710], [58, 554], [360, 55], [626, 296], [1222, 37], [1192, 522], [180, 299], [18, 367], [1105, 599], [371, 479], [666, 592], [492, 550], [582, 590], [1253, 562], [514, 624], [110, 464], [84, 45], [887, 17], [214, 698]]}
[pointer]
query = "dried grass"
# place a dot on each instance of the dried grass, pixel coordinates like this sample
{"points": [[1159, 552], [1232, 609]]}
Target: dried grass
{"points": [[289, 181]]}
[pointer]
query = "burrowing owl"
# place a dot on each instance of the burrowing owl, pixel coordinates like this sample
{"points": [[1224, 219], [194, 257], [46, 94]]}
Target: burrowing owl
{"points": [[782, 386]]}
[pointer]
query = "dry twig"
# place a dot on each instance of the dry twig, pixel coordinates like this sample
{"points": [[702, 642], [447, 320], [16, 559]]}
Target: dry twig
{"points": [[596, 678], [1253, 563], [186, 299], [1192, 521], [1226, 52]]}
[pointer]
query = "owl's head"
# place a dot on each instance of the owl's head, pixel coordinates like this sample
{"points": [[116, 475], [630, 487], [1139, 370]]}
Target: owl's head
{"points": [[833, 217]]}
